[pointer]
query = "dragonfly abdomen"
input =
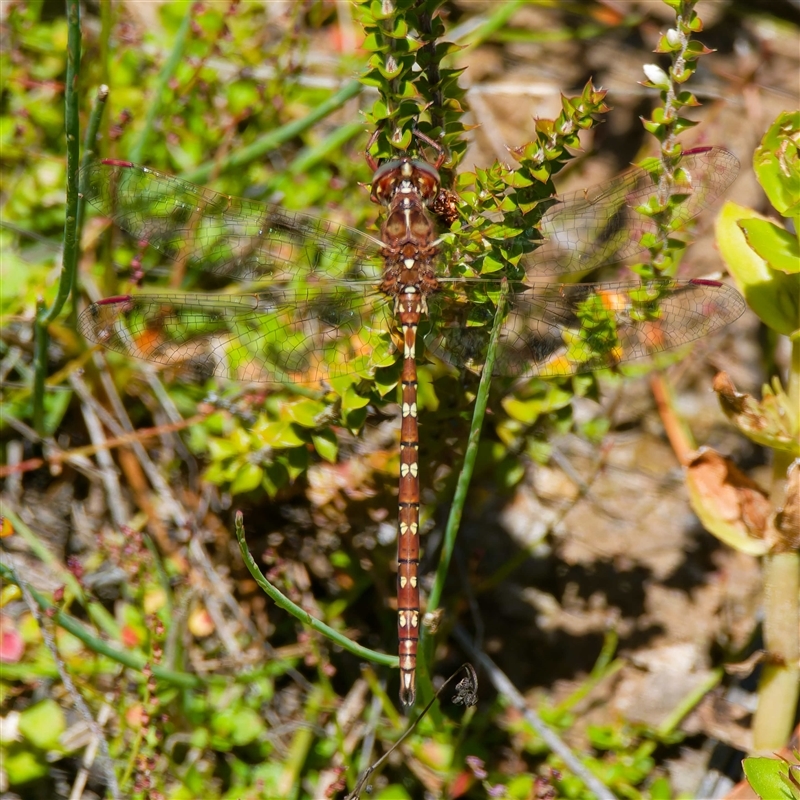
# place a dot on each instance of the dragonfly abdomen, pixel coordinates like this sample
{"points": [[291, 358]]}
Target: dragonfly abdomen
{"points": [[410, 304]]}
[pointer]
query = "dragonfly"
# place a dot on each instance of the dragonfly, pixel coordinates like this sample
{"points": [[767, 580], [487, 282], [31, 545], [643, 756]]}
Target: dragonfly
{"points": [[326, 302]]}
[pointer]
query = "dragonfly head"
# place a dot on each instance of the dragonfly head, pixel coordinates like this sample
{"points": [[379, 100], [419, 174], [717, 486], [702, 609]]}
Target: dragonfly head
{"points": [[405, 176]]}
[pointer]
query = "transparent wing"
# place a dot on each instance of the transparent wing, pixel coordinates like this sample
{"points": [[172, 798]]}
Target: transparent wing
{"points": [[554, 330], [224, 235], [587, 229], [276, 336]]}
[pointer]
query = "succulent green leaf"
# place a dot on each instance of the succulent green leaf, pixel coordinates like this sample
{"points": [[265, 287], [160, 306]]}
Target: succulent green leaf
{"points": [[380, 11], [215, 473], [275, 478], [491, 264], [354, 420], [528, 410], [773, 295], [695, 24], [765, 777], [23, 765], [279, 435], [352, 400], [248, 726], [682, 124], [296, 462], [394, 791], [247, 478], [777, 164], [303, 411], [687, 99], [668, 43], [326, 444], [220, 449], [389, 69], [774, 244], [42, 724], [517, 180], [656, 128], [400, 29]]}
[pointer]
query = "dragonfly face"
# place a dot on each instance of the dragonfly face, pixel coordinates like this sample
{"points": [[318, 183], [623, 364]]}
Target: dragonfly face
{"points": [[332, 301], [404, 177]]}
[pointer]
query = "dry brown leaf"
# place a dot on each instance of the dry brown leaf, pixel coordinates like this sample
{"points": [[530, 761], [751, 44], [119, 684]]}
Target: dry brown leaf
{"points": [[745, 667], [768, 421], [730, 505]]}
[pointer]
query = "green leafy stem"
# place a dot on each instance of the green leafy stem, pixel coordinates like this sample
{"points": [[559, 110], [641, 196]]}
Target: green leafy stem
{"points": [[282, 601]]}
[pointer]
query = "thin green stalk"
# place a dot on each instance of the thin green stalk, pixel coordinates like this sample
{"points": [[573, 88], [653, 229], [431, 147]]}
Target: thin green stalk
{"points": [[496, 22], [276, 138], [671, 105], [70, 260], [308, 157], [464, 478], [666, 124], [690, 701], [164, 77], [305, 160], [286, 604], [89, 152], [603, 668], [104, 43]]}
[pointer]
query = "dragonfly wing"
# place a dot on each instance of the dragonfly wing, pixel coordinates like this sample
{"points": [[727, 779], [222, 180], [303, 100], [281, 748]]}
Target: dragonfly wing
{"points": [[228, 236], [276, 336], [584, 230], [552, 330]]}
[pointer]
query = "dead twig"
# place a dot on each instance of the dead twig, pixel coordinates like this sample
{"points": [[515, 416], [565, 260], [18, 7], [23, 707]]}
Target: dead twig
{"points": [[62, 456], [466, 694]]}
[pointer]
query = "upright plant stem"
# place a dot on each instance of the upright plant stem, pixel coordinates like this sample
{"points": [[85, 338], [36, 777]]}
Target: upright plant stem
{"points": [[464, 478], [310, 156], [89, 151], [69, 263], [779, 687]]}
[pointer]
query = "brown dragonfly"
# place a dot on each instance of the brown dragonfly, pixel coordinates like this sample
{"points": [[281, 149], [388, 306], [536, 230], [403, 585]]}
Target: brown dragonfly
{"points": [[329, 302]]}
